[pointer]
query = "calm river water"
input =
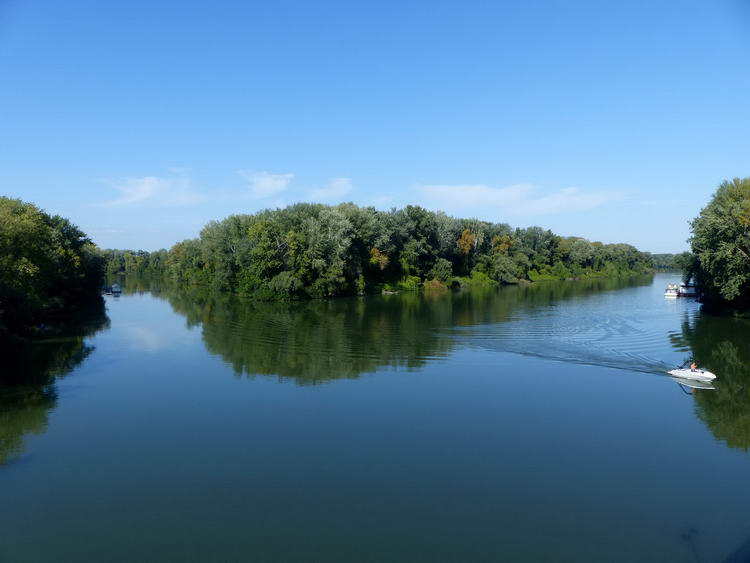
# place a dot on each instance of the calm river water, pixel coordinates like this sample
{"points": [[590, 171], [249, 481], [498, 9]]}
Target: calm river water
{"points": [[512, 424]]}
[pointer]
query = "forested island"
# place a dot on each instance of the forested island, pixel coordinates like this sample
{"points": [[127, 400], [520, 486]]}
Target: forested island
{"points": [[313, 250]]}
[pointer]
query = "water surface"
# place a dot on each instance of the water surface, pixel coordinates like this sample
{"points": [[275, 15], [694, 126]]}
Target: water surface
{"points": [[520, 424]]}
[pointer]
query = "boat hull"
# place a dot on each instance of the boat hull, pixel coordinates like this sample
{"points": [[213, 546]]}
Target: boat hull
{"points": [[682, 290], [697, 375], [694, 383]]}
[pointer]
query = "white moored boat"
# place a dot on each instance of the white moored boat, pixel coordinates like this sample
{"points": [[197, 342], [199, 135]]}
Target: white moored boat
{"points": [[696, 374], [681, 290], [687, 290]]}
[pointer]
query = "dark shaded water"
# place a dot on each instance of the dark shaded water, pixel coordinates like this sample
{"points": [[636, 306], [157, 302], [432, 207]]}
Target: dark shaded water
{"points": [[518, 424]]}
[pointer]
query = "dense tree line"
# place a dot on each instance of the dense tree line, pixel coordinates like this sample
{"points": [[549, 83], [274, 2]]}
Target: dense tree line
{"points": [[137, 262], [721, 248], [672, 261], [48, 267], [313, 250]]}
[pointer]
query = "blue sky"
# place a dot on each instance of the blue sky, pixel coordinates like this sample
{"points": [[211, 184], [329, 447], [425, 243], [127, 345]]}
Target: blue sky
{"points": [[141, 121]]}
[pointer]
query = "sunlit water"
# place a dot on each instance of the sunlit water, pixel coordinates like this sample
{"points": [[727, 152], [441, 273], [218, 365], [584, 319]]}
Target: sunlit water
{"points": [[513, 424]]}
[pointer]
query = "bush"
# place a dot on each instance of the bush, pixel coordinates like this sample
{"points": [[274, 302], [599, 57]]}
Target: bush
{"points": [[477, 278], [434, 285], [285, 285]]}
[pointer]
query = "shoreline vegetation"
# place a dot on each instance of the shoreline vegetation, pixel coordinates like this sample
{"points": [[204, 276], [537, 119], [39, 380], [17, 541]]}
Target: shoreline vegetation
{"points": [[311, 250], [50, 272], [720, 244], [672, 262]]}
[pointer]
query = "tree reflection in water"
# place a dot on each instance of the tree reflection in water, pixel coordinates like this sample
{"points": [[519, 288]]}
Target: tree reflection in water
{"points": [[315, 341], [722, 345], [311, 342], [320, 340], [27, 383]]}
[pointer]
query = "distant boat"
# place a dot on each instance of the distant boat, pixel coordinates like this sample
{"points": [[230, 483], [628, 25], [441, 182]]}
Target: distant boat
{"points": [[116, 289], [681, 290]]}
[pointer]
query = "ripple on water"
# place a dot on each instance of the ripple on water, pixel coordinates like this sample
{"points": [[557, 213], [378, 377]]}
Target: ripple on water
{"points": [[601, 332]]}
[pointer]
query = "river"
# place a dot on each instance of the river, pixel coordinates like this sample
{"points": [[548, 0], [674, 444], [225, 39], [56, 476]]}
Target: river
{"points": [[513, 424]]}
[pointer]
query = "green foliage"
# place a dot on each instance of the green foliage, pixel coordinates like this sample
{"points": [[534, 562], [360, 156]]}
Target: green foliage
{"points": [[546, 274], [721, 248], [47, 267], [407, 283], [672, 261], [442, 270], [313, 250], [130, 262], [477, 278]]}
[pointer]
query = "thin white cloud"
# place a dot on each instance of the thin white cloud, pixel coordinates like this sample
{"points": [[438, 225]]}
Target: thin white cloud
{"points": [[380, 201], [336, 189], [671, 203], [145, 339], [518, 199], [153, 190], [266, 184]]}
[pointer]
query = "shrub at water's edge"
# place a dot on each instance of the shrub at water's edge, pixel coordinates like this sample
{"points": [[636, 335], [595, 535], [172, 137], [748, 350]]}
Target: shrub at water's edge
{"points": [[314, 250], [48, 267], [721, 249]]}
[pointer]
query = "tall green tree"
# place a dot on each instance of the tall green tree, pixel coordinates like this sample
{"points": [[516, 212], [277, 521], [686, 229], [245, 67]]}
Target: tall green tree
{"points": [[721, 248], [47, 266]]}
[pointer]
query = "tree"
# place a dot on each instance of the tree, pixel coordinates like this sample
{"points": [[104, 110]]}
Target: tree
{"points": [[467, 242], [721, 246], [47, 266], [581, 253]]}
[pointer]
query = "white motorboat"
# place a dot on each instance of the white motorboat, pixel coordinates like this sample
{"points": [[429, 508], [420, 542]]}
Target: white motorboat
{"points": [[681, 290], [695, 374]]}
